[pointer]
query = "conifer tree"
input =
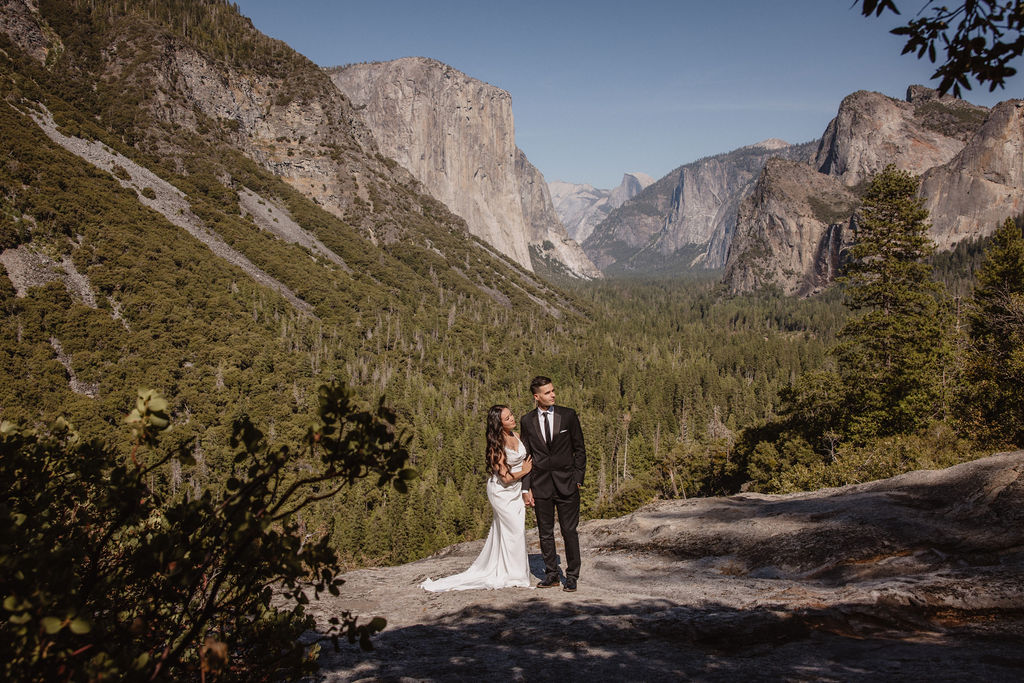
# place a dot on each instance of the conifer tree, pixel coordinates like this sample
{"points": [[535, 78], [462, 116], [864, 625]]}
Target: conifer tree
{"points": [[891, 354], [991, 397]]}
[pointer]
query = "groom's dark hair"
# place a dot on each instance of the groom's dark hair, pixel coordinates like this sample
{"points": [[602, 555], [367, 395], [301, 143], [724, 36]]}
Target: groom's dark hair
{"points": [[538, 382]]}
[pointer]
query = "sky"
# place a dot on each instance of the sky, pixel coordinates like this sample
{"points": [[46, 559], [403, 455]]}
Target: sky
{"points": [[603, 88]]}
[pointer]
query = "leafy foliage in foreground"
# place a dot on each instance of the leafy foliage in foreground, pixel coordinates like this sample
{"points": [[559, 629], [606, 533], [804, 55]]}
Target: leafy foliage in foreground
{"points": [[979, 39], [102, 577]]}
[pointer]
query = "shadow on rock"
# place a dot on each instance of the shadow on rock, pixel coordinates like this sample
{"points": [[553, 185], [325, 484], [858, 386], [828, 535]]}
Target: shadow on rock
{"points": [[656, 640]]}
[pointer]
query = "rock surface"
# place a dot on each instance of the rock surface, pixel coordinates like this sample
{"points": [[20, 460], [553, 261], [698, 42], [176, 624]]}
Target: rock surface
{"points": [[919, 577], [456, 135], [795, 226], [285, 115], [984, 184], [871, 131], [973, 165]]}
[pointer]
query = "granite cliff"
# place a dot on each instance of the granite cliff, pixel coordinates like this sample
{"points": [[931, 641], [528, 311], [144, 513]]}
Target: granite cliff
{"points": [[871, 131], [688, 215], [795, 226], [983, 184], [455, 135], [582, 206], [154, 164]]}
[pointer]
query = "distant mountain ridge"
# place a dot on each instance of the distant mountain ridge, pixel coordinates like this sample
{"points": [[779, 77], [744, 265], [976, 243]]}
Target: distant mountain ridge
{"points": [[582, 206], [781, 224], [689, 214]]}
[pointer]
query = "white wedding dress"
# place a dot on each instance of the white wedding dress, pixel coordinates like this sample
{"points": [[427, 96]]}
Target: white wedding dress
{"points": [[503, 562]]}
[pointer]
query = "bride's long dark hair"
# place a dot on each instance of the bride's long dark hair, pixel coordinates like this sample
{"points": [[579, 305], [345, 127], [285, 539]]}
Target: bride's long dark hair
{"points": [[495, 441]]}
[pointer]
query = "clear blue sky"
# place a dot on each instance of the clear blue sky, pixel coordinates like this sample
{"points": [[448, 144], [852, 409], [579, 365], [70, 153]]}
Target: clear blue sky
{"points": [[600, 88]]}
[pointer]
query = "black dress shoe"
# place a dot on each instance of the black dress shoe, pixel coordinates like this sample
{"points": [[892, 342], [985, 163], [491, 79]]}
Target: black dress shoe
{"points": [[549, 582], [570, 585]]}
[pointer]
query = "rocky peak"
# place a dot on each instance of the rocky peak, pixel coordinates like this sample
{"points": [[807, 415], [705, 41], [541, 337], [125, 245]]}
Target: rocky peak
{"points": [[972, 161], [984, 184], [872, 131], [770, 143], [581, 206], [917, 94], [455, 135], [632, 184]]}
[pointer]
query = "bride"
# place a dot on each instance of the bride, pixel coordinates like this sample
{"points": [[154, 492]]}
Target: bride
{"points": [[503, 561]]}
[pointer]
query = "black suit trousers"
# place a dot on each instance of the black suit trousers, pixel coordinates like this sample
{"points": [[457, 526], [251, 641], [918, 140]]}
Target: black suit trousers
{"points": [[568, 509]]}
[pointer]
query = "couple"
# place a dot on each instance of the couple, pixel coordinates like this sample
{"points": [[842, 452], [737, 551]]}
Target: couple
{"points": [[542, 468]]}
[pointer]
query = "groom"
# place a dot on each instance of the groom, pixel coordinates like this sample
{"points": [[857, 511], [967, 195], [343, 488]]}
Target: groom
{"points": [[553, 436]]}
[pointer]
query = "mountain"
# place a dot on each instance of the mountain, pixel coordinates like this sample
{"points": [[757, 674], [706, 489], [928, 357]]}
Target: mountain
{"points": [[455, 134], [189, 206], [971, 160], [688, 216], [983, 184], [789, 234], [918, 577], [582, 207], [872, 130]]}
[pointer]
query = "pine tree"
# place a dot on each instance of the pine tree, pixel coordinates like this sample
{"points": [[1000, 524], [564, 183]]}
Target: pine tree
{"points": [[991, 398], [892, 352]]}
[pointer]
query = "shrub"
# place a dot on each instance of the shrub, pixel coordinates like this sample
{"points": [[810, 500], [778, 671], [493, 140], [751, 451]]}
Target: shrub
{"points": [[103, 577]]}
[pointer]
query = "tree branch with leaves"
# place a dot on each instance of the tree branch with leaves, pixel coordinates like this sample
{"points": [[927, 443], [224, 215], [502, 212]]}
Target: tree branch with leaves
{"points": [[103, 577], [977, 38]]}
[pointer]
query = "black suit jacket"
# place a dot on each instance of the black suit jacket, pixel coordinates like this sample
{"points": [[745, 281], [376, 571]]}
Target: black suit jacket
{"points": [[559, 468]]}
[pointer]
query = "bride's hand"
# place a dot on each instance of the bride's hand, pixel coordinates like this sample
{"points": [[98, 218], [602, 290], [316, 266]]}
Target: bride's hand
{"points": [[527, 464]]}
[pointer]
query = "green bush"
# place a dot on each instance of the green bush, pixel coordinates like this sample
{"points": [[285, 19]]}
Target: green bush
{"points": [[104, 578]]}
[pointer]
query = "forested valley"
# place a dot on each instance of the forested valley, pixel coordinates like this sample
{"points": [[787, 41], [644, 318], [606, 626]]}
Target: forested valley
{"points": [[361, 378]]}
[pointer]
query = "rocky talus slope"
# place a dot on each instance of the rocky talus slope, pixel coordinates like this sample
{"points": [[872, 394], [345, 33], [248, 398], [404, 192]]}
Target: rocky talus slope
{"points": [[161, 196], [918, 577], [456, 135]]}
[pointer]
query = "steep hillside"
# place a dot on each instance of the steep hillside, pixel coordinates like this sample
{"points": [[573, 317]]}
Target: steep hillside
{"points": [[198, 211], [455, 134]]}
